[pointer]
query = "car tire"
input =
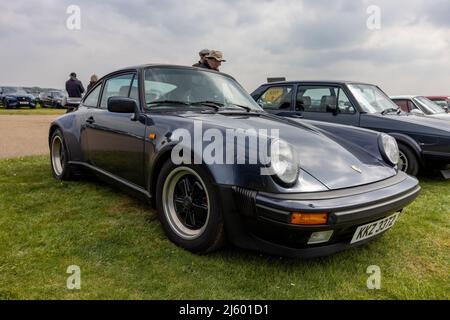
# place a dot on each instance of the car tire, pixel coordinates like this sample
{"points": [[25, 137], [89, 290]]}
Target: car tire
{"points": [[189, 208], [7, 105], [408, 161], [59, 157]]}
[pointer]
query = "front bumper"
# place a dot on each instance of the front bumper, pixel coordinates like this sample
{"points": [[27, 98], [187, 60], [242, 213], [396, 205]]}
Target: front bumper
{"points": [[21, 102], [260, 221]]}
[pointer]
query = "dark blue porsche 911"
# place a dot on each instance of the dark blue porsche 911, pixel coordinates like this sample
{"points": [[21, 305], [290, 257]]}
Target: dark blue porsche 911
{"points": [[217, 167]]}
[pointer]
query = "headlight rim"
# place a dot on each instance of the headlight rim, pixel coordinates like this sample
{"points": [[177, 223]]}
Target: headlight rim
{"points": [[276, 177], [383, 150]]}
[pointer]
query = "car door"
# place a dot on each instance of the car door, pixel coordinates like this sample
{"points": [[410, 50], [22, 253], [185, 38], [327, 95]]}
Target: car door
{"points": [[277, 100], [116, 140], [325, 103]]}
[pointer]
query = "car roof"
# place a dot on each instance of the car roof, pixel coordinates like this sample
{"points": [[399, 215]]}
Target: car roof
{"points": [[438, 97], [335, 82], [405, 96], [171, 66]]}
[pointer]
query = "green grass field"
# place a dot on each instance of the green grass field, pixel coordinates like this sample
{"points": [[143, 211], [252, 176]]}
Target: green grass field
{"points": [[27, 111], [47, 225]]}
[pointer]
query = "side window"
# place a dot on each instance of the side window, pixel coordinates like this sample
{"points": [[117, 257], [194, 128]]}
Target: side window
{"points": [[344, 104], [116, 87], [412, 105], [276, 98], [403, 104], [92, 99], [134, 92], [316, 99]]}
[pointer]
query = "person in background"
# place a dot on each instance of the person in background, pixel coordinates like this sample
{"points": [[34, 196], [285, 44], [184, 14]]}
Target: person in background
{"points": [[74, 87], [94, 79], [213, 60], [202, 55]]}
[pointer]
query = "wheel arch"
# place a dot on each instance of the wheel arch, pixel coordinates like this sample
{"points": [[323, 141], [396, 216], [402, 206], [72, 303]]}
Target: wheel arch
{"points": [[53, 128], [162, 157], [51, 131], [409, 142]]}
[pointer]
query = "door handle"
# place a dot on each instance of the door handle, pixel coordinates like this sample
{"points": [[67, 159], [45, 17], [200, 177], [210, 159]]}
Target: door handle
{"points": [[90, 120]]}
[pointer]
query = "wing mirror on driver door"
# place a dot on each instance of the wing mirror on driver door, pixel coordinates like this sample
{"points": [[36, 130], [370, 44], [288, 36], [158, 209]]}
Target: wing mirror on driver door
{"points": [[417, 112], [123, 105], [332, 108]]}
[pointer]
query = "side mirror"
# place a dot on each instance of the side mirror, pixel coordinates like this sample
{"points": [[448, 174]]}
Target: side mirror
{"points": [[123, 105], [332, 108], [417, 112]]}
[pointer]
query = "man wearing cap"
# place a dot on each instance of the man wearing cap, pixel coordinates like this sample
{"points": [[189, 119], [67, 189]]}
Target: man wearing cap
{"points": [[74, 87], [202, 55], [213, 60]]}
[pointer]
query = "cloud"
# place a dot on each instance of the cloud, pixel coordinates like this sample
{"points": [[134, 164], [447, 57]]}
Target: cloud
{"points": [[293, 38]]}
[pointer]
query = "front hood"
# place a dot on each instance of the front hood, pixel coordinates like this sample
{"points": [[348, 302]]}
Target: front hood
{"points": [[441, 116], [19, 96], [406, 123], [320, 156]]}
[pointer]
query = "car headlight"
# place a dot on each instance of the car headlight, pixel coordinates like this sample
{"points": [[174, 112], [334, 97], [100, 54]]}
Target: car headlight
{"points": [[389, 149], [283, 163]]}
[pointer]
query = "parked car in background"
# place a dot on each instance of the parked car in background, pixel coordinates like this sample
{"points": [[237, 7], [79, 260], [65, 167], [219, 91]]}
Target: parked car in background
{"points": [[16, 97], [423, 142], [421, 106], [443, 101], [53, 99], [33, 91], [343, 191]]}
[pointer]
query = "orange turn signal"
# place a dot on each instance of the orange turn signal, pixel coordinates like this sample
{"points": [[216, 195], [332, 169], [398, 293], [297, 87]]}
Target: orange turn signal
{"points": [[309, 218], [152, 136]]}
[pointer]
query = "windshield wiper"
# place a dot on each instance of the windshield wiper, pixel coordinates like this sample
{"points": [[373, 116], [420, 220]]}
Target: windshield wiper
{"points": [[388, 110], [218, 105], [213, 104], [248, 109], [168, 102]]}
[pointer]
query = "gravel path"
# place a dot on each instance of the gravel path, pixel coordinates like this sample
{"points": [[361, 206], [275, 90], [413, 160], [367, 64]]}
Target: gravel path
{"points": [[22, 135]]}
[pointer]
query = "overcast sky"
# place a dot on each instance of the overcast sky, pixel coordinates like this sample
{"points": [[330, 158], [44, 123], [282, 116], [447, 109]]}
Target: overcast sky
{"points": [[298, 39]]}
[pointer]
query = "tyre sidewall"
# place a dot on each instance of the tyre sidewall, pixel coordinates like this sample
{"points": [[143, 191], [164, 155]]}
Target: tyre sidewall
{"points": [[66, 174], [212, 237], [413, 163]]}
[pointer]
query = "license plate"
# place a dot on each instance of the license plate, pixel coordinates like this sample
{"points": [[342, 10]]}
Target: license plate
{"points": [[23, 102], [372, 229]]}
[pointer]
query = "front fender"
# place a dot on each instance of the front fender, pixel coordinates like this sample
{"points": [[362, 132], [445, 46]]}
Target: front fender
{"points": [[350, 137], [237, 175], [410, 142]]}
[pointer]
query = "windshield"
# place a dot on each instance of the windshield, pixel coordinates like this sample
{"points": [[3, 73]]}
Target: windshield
{"points": [[428, 106], [194, 86], [15, 90], [57, 94], [371, 98], [442, 103]]}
